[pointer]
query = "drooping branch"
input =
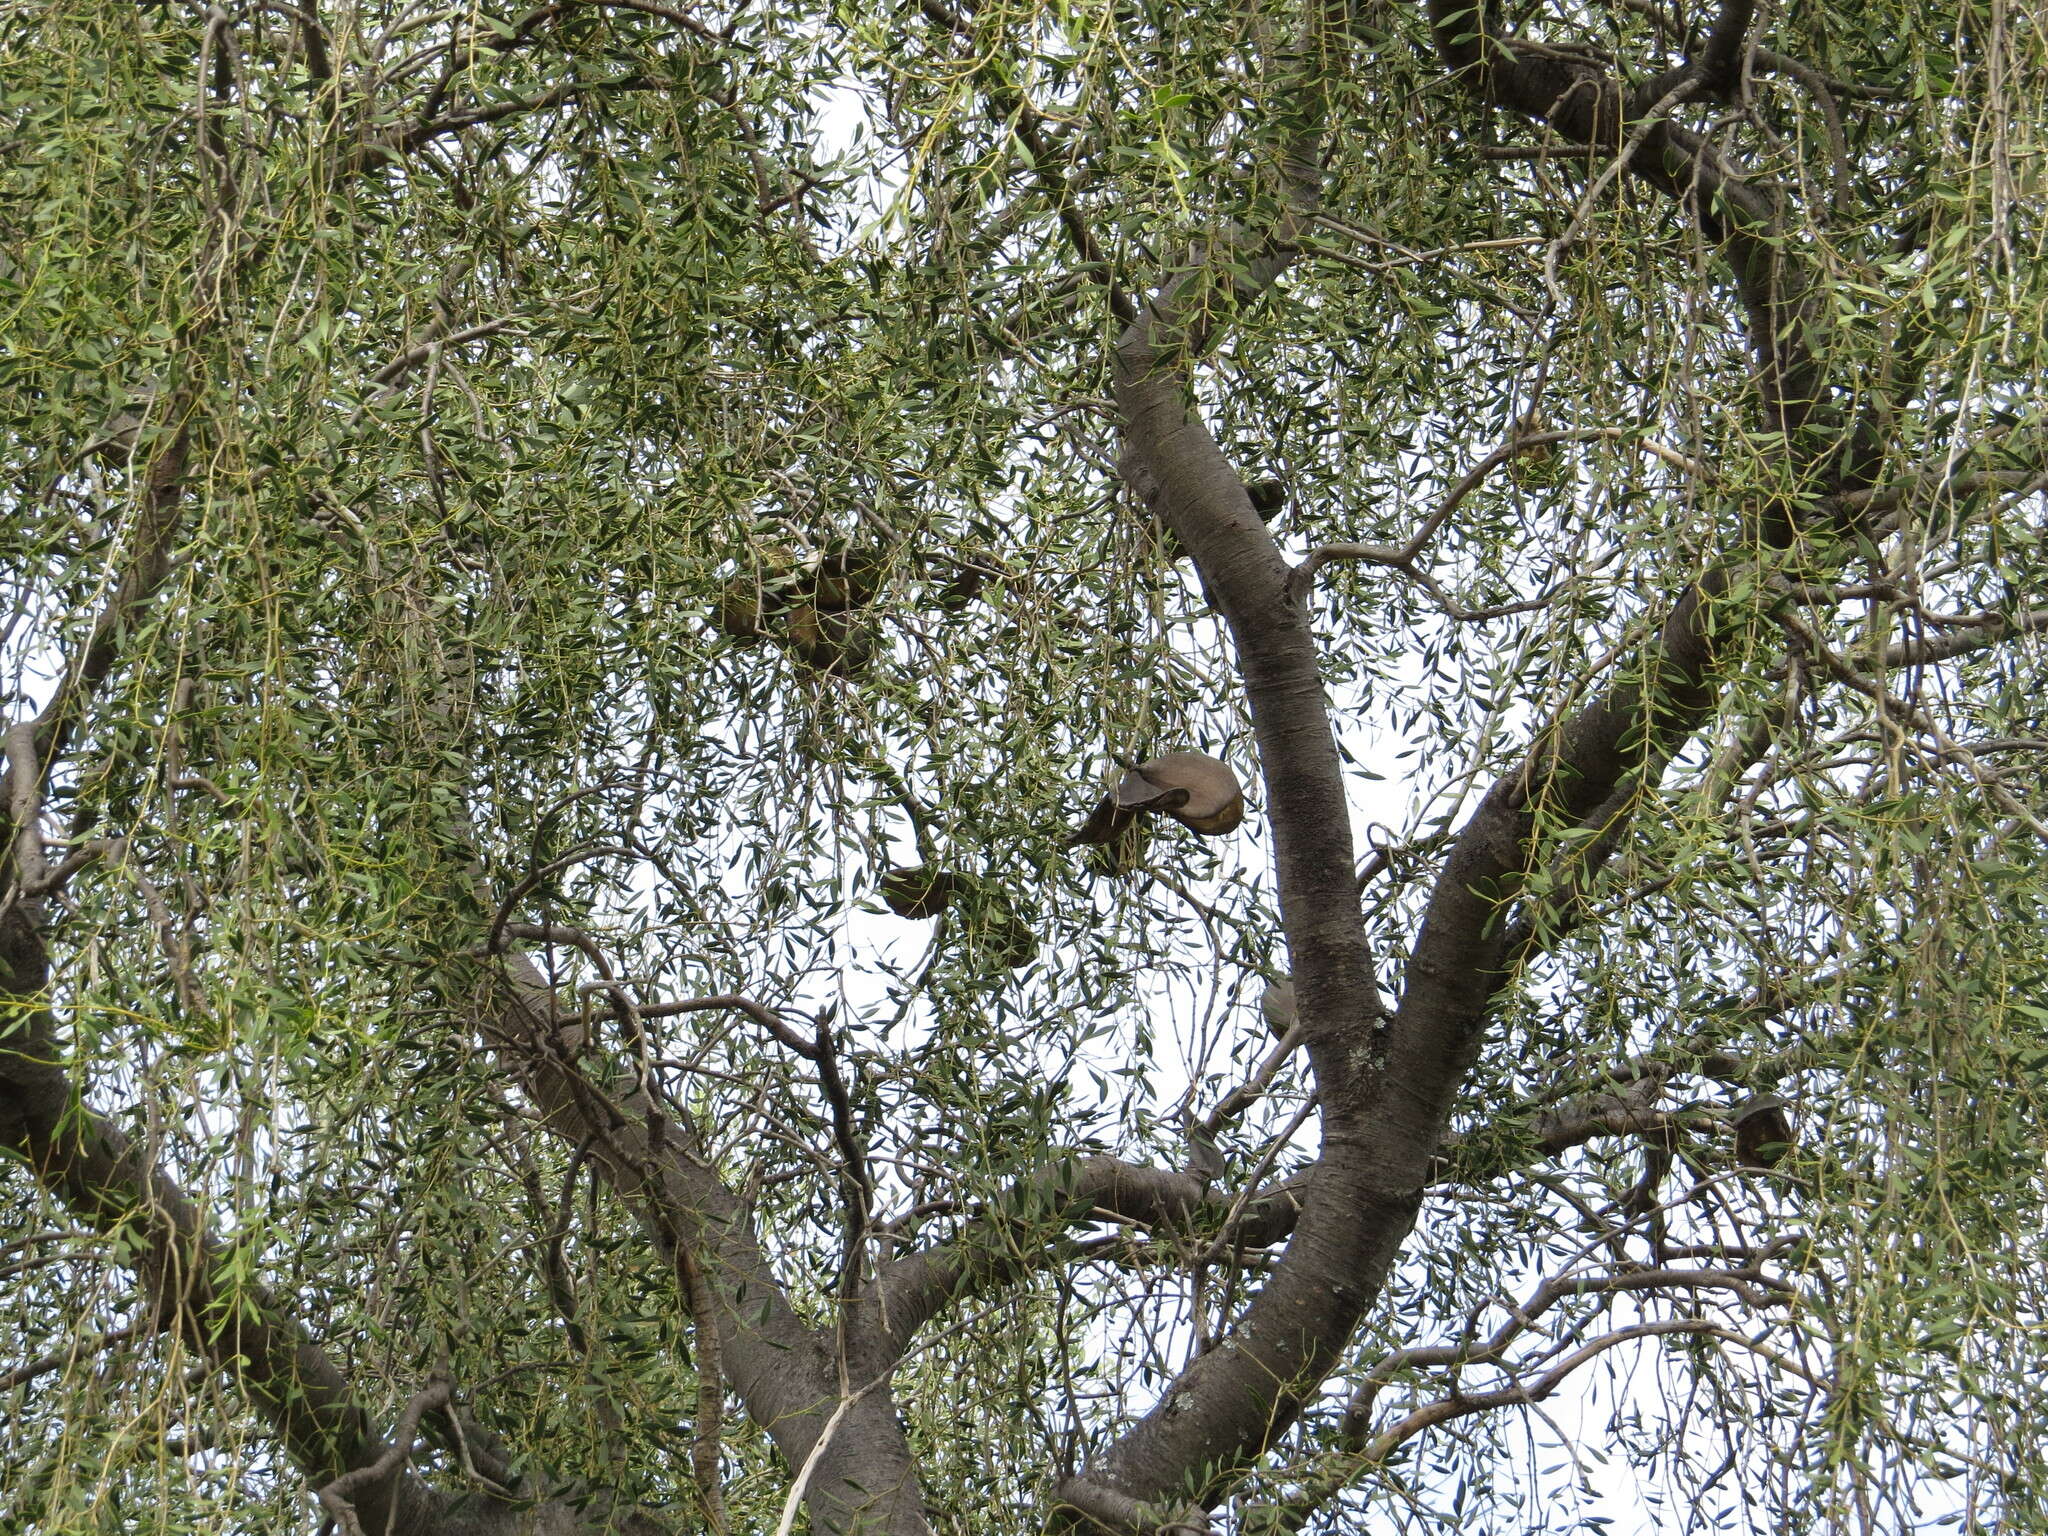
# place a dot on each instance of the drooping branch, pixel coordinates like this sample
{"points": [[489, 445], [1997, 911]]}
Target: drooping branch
{"points": [[79, 1348], [522, 106], [1584, 771], [192, 1283], [820, 1049], [1010, 106], [198, 1287], [339, 1497], [159, 511], [84, 1159], [1403, 556]]}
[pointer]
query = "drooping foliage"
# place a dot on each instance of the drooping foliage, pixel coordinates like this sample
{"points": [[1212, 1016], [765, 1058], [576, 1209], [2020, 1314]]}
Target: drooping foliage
{"points": [[410, 410]]}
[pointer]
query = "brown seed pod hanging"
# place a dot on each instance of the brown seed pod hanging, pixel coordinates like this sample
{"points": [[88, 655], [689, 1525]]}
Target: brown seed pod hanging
{"points": [[1277, 1006], [834, 643], [1539, 467], [740, 611], [847, 576], [1763, 1131], [965, 584], [1010, 941], [986, 921], [1196, 790], [1269, 497], [1107, 822], [918, 892], [750, 601], [1123, 850]]}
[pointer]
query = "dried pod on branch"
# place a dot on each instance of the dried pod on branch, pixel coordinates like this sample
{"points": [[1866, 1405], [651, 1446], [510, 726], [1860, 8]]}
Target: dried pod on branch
{"points": [[918, 892], [758, 594], [1277, 1006], [1540, 466], [966, 582], [1269, 497], [847, 576], [1010, 941], [1763, 1131], [989, 921], [1196, 790], [1122, 851], [985, 916], [838, 644]]}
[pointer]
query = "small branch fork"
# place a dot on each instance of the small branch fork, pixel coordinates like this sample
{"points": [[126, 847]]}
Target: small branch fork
{"points": [[819, 1049], [1402, 557], [338, 1497], [1010, 106], [1357, 1447], [78, 1349], [788, 1373]]}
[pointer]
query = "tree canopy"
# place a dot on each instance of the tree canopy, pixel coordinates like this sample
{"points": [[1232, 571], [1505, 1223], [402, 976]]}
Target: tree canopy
{"points": [[632, 630]]}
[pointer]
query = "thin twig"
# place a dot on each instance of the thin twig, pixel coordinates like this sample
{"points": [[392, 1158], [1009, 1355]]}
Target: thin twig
{"points": [[79, 1349], [1403, 556]]}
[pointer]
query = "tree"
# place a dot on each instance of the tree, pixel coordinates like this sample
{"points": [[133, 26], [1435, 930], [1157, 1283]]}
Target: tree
{"points": [[574, 571]]}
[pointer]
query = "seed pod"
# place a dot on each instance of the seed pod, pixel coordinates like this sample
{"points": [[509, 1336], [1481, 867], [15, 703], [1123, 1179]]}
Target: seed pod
{"points": [[749, 601], [1763, 1131], [833, 643], [741, 611], [1011, 942], [986, 920], [965, 585], [847, 576], [1536, 468], [1277, 1007], [1196, 790], [918, 892], [1123, 851], [1107, 822], [1269, 497]]}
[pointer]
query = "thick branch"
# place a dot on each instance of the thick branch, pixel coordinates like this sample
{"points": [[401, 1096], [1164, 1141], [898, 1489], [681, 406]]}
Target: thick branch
{"points": [[187, 1279], [1387, 1094], [785, 1373], [1017, 1234], [1573, 98], [1226, 1408], [156, 527]]}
